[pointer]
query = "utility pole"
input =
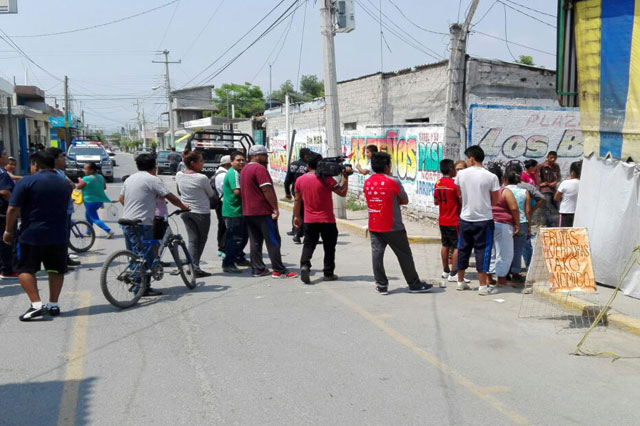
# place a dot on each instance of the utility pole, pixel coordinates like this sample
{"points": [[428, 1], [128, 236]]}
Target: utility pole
{"points": [[166, 63], [455, 121], [287, 126], [334, 145], [144, 133], [67, 134]]}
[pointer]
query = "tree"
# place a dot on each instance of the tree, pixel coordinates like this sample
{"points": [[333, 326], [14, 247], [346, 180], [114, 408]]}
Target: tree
{"points": [[311, 87], [525, 60], [286, 87], [247, 98]]}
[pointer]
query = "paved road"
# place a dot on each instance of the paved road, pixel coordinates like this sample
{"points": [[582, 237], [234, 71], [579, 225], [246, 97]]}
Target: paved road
{"points": [[247, 351]]}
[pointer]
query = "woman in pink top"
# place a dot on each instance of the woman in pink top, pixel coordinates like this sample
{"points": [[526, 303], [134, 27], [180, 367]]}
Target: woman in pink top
{"points": [[529, 173], [506, 217]]}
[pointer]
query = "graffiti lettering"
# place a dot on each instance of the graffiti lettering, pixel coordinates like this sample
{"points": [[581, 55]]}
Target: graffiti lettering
{"points": [[536, 146]]}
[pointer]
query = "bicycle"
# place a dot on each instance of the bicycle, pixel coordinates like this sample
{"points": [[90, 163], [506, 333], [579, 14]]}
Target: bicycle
{"points": [[81, 236], [125, 276]]}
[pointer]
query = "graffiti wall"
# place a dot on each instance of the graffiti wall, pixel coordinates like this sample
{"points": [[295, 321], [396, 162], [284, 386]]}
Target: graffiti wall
{"points": [[314, 139], [520, 133], [415, 153]]}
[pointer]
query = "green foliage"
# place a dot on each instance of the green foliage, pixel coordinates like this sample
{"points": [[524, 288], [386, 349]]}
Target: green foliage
{"points": [[354, 204], [247, 98], [286, 87], [311, 87], [525, 60], [153, 144]]}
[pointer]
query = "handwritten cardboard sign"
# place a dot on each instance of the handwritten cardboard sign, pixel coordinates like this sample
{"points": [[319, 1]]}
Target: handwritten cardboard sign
{"points": [[567, 256]]}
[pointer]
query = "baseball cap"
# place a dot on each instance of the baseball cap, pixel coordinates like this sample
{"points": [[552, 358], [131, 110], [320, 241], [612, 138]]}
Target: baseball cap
{"points": [[258, 149], [226, 159]]}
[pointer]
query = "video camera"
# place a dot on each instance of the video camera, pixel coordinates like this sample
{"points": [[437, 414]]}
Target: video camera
{"points": [[333, 166]]}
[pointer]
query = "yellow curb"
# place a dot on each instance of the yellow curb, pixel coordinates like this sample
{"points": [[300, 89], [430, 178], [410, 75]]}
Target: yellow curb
{"points": [[621, 321], [363, 230]]}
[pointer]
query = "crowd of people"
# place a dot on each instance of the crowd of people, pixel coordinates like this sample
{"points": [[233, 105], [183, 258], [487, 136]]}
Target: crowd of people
{"points": [[486, 212]]}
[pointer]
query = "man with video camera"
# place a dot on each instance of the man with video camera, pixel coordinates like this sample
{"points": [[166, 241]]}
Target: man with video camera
{"points": [[314, 190]]}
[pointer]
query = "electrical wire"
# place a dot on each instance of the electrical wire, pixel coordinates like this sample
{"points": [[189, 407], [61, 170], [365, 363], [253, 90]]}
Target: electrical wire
{"points": [[506, 37], [193, 43], [532, 9], [459, 6], [413, 23], [512, 42], [526, 14], [98, 25], [166, 30], [17, 48], [304, 24], [485, 14], [236, 43]]}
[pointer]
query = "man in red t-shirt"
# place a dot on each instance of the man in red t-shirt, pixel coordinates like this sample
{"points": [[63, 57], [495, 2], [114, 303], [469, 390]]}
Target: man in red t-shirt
{"points": [[447, 197], [384, 195], [260, 211], [314, 192]]}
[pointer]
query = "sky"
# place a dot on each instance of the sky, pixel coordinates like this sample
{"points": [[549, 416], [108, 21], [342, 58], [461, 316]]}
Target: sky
{"points": [[110, 67]]}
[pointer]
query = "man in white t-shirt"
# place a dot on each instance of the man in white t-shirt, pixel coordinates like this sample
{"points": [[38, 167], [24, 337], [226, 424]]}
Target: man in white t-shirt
{"points": [[567, 195], [479, 191]]}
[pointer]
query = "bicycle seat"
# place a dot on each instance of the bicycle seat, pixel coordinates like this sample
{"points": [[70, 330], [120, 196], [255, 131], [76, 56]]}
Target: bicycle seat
{"points": [[129, 222]]}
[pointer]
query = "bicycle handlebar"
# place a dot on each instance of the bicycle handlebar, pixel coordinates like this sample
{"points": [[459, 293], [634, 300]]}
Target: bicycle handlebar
{"points": [[178, 212]]}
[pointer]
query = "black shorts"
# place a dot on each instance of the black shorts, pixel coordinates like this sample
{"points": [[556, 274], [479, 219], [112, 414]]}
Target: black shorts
{"points": [[449, 236], [31, 258], [159, 227]]}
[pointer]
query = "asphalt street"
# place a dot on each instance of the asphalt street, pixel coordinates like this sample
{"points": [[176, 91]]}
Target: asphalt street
{"points": [[239, 350]]}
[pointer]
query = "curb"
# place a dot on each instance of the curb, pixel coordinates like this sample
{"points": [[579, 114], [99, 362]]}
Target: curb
{"points": [[363, 230], [612, 317]]}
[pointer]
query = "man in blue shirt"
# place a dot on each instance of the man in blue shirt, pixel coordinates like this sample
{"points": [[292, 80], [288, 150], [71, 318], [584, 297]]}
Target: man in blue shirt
{"points": [[41, 201], [6, 187]]}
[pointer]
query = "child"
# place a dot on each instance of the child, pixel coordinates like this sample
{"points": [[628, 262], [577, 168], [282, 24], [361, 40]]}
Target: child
{"points": [[11, 169], [447, 198]]}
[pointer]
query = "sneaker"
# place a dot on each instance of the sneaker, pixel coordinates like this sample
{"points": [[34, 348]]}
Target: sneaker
{"points": [[71, 262], [202, 274], [297, 240], [454, 279], [304, 275], [231, 270], [54, 311], [243, 262], [443, 284], [291, 233], [462, 286], [333, 277], [382, 290], [424, 288], [221, 254], [262, 273], [445, 274], [277, 275], [110, 235], [8, 276], [32, 313], [487, 290], [149, 292]]}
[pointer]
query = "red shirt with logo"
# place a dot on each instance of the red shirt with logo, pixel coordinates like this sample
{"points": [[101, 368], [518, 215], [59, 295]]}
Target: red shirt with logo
{"points": [[446, 198], [252, 178], [316, 198], [384, 194]]}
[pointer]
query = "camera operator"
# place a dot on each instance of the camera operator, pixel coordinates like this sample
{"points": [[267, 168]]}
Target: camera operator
{"points": [[314, 191], [296, 169]]}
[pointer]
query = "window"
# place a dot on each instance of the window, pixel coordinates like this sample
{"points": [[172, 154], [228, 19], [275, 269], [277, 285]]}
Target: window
{"points": [[417, 120], [350, 126]]}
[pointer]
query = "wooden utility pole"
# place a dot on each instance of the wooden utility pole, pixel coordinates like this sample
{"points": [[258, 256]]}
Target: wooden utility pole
{"points": [[455, 123], [166, 63]]}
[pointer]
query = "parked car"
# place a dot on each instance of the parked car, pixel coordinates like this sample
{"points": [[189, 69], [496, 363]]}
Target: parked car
{"points": [[81, 153], [214, 144], [162, 160]]}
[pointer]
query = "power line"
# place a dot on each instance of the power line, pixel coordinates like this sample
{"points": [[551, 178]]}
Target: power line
{"points": [[459, 6], [532, 9], [512, 42], [236, 43], [485, 14], [414, 24], [193, 43], [13, 44], [98, 25], [304, 24], [526, 14], [166, 30], [506, 41]]}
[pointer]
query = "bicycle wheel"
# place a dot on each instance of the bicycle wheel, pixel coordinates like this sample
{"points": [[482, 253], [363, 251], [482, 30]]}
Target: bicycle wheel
{"points": [[81, 237], [184, 264], [122, 280]]}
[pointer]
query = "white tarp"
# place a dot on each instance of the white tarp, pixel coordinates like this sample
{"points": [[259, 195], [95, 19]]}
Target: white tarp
{"points": [[609, 207]]}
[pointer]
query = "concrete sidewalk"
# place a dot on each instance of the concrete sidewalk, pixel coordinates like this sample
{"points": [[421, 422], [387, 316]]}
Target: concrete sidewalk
{"points": [[624, 312]]}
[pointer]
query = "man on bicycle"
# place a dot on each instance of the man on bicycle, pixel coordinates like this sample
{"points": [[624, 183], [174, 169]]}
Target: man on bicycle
{"points": [[139, 197]]}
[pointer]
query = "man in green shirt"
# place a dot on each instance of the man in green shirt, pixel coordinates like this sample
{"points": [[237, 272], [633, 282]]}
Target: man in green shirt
{"points": [[237, 235]]}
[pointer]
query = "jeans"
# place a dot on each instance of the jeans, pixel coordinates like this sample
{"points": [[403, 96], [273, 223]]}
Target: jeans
{"points": [[197, 225], [399, 243], [6, 251], [137, 245], [550, 210], [91, 215], [237, 238], [519, 241], [263, 229], [298, 232], [222, 230], [329, 233], [502, 254], [527, 250]]}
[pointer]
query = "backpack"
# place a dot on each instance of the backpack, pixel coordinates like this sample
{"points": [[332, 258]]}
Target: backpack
{"points": [[216, 200]]}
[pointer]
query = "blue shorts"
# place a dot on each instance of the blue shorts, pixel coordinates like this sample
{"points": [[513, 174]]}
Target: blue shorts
{"points": [[476, 236]]}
